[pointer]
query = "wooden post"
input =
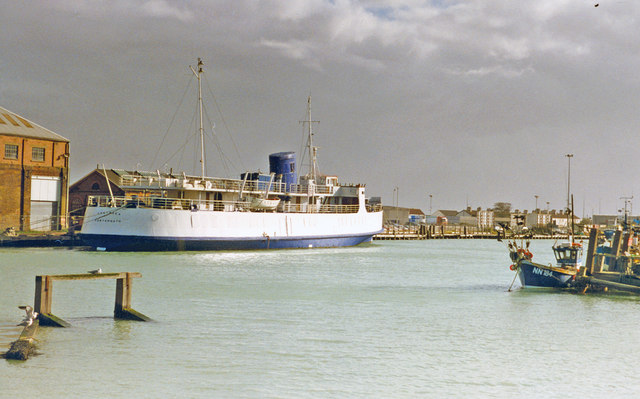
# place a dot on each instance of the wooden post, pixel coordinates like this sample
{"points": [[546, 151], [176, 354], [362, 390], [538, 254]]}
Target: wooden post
{"points": [[615, 251], [123, 293], [625, 242], [42, 303], [593, 243], [617, 240], [43, 294], [123, 308]]}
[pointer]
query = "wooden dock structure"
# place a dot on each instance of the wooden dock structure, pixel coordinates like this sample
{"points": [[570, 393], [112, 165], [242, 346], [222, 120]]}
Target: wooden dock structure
{"points": [[21, 348], [429, 232], [122, 309], [614, 267]]}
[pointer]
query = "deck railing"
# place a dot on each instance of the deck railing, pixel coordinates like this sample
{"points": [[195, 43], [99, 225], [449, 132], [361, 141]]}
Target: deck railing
{"points": [[219, 184], [216, 205]]}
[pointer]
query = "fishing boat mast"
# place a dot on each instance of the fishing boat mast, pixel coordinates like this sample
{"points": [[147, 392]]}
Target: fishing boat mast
{"points": [[198, 73], [569, 202]]}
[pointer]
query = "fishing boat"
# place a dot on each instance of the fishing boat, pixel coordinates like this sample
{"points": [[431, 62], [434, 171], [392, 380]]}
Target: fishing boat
{"points": [[166, 211], [568, 257]]}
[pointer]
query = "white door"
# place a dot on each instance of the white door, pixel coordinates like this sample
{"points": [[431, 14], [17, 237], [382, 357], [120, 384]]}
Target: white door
{"points": [[45, 196]]}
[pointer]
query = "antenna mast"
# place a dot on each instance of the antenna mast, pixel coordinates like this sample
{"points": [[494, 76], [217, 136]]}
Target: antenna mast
{"points": [[198, 73]]}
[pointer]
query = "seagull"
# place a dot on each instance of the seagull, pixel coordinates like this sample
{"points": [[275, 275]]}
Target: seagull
{"points": [[26, 322], [29, 310], [31, 315], [97, 271]]}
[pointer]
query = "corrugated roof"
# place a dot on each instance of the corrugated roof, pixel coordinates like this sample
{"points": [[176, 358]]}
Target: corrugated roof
{"points": [[15, 125]]}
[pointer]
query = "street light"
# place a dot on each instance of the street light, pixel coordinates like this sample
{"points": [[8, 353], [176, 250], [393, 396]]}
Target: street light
{"points": [[396, 195], [537, 196], [569, 156], [430, 198]]}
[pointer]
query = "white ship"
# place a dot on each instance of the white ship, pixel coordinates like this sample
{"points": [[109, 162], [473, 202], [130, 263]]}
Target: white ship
{"points": [[257, 211]]}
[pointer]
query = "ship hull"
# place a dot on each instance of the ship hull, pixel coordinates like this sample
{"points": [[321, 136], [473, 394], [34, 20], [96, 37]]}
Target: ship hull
{"points": [[137, 243], [140, 229], [534, 275]]}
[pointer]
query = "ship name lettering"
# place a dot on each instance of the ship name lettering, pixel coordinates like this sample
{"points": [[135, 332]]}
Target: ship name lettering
{"points": [[545, 273]]}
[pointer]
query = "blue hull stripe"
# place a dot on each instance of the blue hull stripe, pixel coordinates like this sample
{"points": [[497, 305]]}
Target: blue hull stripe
{"points": [[141, 243], [535, 275]]}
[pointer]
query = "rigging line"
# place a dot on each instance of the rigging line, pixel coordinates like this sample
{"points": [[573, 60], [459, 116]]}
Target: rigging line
{"points": [[184, 145], [223, 158], [514, 280], [226, 161], [302, 152], [181, 148], [171, 122], [224, 122]]}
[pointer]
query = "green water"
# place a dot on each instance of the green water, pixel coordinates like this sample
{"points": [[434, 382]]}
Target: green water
{"points": [[393, 319]]}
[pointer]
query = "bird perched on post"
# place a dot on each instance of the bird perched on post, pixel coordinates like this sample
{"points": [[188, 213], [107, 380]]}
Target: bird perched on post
{"points": [[30, 317], [97, 271]]}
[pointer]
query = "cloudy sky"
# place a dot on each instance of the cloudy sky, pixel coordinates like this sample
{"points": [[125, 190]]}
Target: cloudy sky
{"points": [[471, 102]]}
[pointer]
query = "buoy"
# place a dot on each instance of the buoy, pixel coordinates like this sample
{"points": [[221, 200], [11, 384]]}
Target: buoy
{"points": [[512, 267]]}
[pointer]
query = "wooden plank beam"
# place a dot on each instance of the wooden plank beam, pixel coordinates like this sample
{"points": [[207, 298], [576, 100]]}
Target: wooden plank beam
{"points": [[89, 276]]}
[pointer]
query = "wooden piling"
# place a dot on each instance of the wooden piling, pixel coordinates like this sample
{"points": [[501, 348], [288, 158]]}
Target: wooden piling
{"points": [[593, 243], [42, 301], [617, 243], [23, 347], [122, 310]]}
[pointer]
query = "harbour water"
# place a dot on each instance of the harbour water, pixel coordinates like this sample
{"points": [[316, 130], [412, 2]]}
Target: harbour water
{"points": [[391, 319]]}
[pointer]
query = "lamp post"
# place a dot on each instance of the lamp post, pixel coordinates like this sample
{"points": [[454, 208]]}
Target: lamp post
{"points": [[569, 156], [430, 198], [536, 201], [396, 199]]}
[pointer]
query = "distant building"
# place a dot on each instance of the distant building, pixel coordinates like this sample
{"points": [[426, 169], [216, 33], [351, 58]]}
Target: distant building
{"points": [[538, 219], [467, 217], [516, 220], [416, 216], [34, 175], [450, 216], [563, 220], [485, 218], [395, 215], [605, 220]]}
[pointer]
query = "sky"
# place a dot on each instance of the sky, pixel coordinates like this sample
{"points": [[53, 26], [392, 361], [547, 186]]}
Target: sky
{"points": [[432, 104]]}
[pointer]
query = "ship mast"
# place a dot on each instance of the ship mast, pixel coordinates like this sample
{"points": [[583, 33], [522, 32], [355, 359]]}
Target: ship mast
{"points": [[313, 151], [198, 73]]}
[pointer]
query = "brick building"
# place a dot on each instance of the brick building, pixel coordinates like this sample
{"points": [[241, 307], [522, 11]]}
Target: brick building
{"points": [[93, 184], [34, 175], [119, 183]]}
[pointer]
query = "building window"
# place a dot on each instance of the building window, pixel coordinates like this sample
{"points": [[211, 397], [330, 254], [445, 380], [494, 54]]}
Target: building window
{"points": [[10, 151], [37, 154], [95, 187]]}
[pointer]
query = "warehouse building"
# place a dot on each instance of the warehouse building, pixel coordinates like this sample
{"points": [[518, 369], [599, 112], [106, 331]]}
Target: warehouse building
{"points": [[34, 175]]}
